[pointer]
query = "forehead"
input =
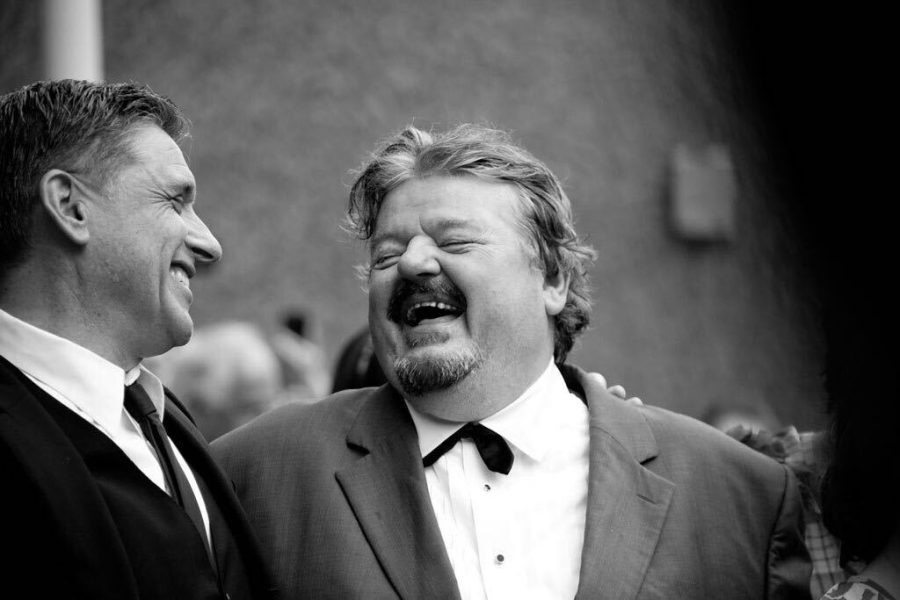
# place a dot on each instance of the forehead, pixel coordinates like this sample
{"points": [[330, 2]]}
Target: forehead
{"points": [[443, 200], [147, 141], [156, 154]]}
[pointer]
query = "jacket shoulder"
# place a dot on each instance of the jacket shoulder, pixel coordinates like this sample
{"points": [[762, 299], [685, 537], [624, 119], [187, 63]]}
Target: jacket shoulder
{"points": [[297, 423], [689, 446]]}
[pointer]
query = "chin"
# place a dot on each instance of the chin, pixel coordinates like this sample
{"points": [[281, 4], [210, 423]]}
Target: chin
{"points": [[420, 373], [180, 333]]}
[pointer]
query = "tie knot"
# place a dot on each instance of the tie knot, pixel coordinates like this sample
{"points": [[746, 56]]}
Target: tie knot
{"points": [[474, 431], [138, 403]]}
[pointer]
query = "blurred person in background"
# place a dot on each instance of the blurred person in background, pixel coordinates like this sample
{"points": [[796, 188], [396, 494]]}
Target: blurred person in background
{"points": [[108, 488], [232, 371], [859, 492], [488, 467], [226, 375], [357, 366], [305, 371]]}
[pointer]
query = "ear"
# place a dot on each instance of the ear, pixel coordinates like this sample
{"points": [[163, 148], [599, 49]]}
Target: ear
{"points": [[65, 206], [556, 290]]}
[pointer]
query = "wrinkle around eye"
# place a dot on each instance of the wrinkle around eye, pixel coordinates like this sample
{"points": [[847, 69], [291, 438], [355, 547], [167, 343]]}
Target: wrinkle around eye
{"points": [[384, 262], [457, 245], [461, 246]]}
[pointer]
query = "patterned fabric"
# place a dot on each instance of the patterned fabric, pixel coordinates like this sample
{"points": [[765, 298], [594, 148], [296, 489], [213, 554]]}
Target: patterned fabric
{"points": [[803, 455], [825, 553], [857, 588]]}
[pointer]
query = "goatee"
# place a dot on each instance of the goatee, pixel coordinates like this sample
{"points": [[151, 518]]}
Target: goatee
{"points": [[423, 374]]}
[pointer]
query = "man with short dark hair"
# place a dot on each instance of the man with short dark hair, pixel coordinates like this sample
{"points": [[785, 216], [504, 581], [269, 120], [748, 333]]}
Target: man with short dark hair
{"points": [[487, 467], [108, 488]]}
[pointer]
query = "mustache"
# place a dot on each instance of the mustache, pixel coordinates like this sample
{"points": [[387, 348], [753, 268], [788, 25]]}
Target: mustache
{"points": [[440, 288]]}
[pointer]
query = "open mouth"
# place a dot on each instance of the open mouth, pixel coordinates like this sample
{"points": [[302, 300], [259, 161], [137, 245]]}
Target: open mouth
{"points": [[413, 304], [429, 311]]}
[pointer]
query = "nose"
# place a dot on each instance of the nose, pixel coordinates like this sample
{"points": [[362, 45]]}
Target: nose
{"points": [[203, 244], [419, 260]]}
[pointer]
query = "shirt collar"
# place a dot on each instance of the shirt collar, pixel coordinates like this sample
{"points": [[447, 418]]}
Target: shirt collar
{"points": [[90, 382], [526, 423], [151, 384]]}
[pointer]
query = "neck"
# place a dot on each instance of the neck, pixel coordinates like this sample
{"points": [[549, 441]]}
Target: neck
{"points": [[56, 307], [478, 396]]}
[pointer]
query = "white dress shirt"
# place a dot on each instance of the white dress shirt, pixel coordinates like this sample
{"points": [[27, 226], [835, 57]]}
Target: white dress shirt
{"points": [[518, 535], [94, 389]]}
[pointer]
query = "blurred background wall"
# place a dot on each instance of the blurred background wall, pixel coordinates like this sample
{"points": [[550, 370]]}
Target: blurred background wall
{"points": [[287, 96]]}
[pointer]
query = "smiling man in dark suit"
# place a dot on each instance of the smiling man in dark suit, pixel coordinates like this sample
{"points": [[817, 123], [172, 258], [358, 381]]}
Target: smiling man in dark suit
{"points": [[109, 491], [487, 467]]}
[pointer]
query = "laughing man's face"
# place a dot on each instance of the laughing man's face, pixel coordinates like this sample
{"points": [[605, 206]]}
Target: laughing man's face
{"points": [[454, 293]]}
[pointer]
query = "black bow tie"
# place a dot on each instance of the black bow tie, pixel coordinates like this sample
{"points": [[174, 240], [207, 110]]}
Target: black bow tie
{"points": [[491, 446]]}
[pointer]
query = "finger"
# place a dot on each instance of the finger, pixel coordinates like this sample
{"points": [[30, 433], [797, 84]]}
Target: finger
{"points": [[597, 378], [634, 401], [617, 390]]}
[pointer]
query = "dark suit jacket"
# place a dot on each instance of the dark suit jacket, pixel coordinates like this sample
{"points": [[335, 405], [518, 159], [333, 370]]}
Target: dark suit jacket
{"points": [[337, 493], [48, 490]]}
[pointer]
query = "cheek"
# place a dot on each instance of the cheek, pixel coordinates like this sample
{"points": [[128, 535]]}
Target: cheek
{"points": [[378, 290], [506, 305]]}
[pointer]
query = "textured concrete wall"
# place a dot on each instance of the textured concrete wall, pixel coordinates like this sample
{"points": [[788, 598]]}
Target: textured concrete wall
{"points": [[287, 96]]}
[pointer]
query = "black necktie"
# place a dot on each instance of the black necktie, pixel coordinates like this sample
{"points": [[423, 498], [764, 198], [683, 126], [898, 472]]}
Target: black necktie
{"points": [[491, 446], [139, 406]]}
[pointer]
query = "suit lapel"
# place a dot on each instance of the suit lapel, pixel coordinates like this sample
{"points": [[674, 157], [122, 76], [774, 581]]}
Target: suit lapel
{"points": [[627, 504], [387, 491]]}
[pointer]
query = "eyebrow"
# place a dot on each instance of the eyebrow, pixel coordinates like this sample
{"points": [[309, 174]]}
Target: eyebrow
{"points": [[377, 239], [455, 223]]}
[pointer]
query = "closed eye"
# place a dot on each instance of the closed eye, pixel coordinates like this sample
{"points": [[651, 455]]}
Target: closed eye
{"points": [[456, 245], [385, 261], [177, 203]]}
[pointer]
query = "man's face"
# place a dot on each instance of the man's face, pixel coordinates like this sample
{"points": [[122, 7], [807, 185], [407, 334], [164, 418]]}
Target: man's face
{"points": [[146, 241], [454, 294]]}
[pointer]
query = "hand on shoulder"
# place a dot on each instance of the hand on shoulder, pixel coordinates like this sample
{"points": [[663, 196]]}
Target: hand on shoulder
{"points": [[615, 390]]}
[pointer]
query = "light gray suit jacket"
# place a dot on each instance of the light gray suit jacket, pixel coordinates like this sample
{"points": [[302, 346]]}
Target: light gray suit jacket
{"points": [[336, 492]]}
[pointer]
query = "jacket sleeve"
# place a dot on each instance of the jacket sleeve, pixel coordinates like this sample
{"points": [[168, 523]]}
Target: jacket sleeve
{"points": [[789, 568]]}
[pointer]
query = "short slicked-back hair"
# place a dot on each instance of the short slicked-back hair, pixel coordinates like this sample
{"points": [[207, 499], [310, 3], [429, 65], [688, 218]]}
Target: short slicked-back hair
{"points": [[488, 154], [76, 126]]}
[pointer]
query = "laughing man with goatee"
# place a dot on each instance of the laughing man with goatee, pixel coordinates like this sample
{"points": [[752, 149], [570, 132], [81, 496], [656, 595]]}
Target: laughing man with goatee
{"points": [[487, 467]]}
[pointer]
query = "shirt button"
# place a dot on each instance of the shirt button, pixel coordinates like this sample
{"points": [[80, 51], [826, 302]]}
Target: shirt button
{"points": [[487, 487], [499, 559]]}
